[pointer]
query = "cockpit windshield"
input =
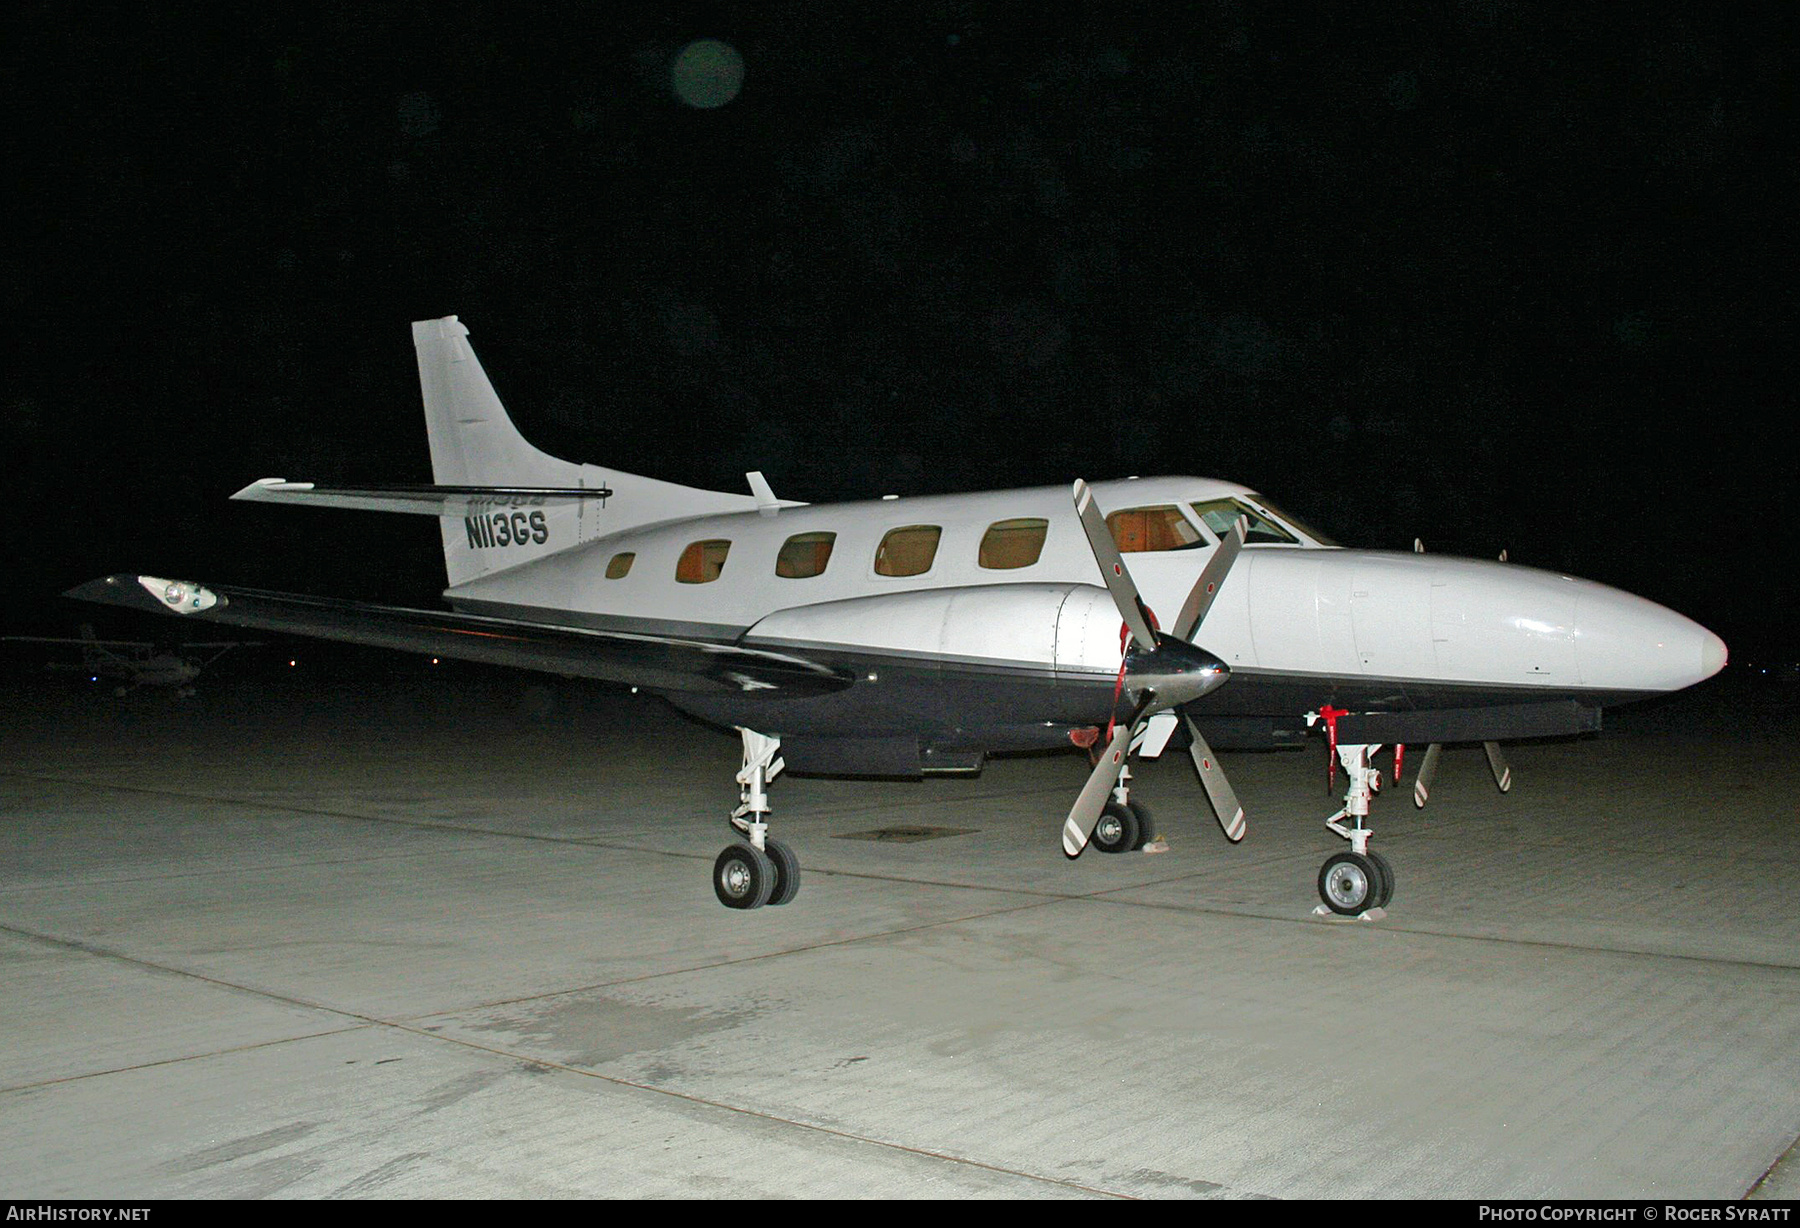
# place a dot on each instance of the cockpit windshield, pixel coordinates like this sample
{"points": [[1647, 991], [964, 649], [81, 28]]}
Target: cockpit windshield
{"points": [[1218, 515]]}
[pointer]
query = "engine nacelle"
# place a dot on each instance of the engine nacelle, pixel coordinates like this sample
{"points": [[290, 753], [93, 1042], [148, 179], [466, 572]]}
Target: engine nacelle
{"points": [[1067, 628]]}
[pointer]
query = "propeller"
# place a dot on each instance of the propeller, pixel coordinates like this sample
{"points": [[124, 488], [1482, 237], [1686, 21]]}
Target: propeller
{"points": [[1427, 773], [1164, 670], [1497, 764]]}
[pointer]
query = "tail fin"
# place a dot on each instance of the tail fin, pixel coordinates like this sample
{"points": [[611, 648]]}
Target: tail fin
{"points": [[475, 444]]}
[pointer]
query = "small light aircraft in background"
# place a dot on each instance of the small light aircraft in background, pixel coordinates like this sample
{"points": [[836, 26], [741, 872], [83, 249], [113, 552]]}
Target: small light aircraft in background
{"points": [[897, 637], [135, 663]]}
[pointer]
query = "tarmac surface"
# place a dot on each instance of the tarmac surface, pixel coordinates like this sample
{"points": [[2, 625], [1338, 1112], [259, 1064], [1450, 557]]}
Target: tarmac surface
{"points": [[391, 931]]}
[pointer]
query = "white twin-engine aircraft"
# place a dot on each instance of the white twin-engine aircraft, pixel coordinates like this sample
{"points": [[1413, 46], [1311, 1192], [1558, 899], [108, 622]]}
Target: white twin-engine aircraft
{"points": [[903, 636]]}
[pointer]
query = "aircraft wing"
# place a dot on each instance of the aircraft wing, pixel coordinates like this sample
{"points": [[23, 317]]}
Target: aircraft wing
{"points": [[74, 642], [658, 663]]}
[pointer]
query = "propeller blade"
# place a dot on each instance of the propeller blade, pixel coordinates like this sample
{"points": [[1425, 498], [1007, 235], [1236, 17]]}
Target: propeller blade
{"points": [[1112, 567], [1086, 811], [1218, 789], [1498, 765], [1426, 774], [1212, 576]]}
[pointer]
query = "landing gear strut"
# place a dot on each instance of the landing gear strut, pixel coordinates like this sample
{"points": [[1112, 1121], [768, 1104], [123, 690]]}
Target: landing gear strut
{"points": [[1355, 883], [756, 870]]}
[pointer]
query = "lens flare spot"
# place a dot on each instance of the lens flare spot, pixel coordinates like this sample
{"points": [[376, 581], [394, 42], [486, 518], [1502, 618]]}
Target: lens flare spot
{"points": [[707, 73]]}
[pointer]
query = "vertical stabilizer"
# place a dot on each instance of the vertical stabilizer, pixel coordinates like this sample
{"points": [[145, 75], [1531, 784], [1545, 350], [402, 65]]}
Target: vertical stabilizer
{"points": [[474, 443]]}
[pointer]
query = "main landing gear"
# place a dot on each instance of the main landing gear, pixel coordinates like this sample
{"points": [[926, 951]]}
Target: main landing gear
{"points": [[1356, 883], [756, 870], [1125, 825]]}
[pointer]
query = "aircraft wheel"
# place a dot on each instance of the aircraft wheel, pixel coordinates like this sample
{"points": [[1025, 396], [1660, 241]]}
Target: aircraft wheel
{"points": [[1387, 879], [787, 872], [743, 876], [1349, 883], [1117, 830], [1146, 824]]}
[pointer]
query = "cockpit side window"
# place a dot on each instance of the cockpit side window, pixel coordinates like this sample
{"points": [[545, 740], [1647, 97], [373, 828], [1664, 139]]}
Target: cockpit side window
{"points": [[1220, 514], [1141, 529]]}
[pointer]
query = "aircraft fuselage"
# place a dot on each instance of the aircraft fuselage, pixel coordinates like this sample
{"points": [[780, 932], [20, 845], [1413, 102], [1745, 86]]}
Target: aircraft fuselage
{"points": [[975, 656]]}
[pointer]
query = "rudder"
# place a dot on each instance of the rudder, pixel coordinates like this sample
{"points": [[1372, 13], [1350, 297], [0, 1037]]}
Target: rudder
{"points": [[475, 444]]}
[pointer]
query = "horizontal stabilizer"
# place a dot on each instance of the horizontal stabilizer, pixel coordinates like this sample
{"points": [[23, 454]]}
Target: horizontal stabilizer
{"points": [[657, 663], [420, 500], [143, 644]]}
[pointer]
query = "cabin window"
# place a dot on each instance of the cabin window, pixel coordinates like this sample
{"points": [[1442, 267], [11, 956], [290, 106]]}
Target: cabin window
{"points": [[1013, 543], [908, 551], [1142, 529], [619, 566], [1220, 514], [804, 555], [702, 562]]}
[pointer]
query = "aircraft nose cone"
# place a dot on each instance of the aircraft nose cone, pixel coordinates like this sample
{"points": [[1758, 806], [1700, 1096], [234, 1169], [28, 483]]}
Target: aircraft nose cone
{"points": [[1713, 655], [1631, 644]]}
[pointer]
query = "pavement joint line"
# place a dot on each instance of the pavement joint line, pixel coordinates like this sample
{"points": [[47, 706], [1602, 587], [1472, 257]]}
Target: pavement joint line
{"points": [[1097, 896], [1792, 1151], [138, 961], [186, 1057], [238, 871], [363, 1022], [445, 825]]}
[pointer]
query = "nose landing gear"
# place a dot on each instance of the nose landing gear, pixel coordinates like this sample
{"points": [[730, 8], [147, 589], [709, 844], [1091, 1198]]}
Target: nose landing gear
{"points": [[1358, 883]]}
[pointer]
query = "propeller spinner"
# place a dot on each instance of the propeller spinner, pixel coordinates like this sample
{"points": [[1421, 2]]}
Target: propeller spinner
{"points": [[1163, 670]]}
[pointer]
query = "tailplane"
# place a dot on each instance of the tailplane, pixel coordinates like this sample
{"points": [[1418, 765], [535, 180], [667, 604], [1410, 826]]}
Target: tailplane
{"points": [[500, 501]]}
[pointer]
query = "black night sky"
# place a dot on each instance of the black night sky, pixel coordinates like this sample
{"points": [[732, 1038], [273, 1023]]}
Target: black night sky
{"points": [[1489, 274]]}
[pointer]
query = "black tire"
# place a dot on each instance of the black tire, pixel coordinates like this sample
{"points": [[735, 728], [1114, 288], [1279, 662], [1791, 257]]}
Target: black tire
{"points": [[787, 872], [743, 877], [1349, 884], [1117, 830], [1146, 824], [1387, 879]]}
